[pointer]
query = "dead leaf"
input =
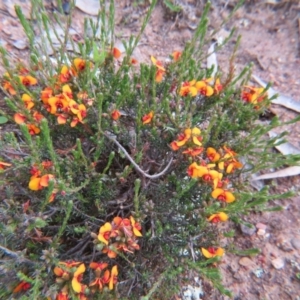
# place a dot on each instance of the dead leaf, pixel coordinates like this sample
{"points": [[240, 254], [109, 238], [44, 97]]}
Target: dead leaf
{"points": [[212, 60], [90, 7], [284, 148], [281, 99], [20, 44], [290, 171]]}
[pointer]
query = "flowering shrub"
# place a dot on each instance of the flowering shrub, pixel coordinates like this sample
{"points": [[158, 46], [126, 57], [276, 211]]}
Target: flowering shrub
{"points": [[118, 174]]}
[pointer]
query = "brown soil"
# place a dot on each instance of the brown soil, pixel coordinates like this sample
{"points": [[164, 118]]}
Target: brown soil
{"points": [[270, 33]]}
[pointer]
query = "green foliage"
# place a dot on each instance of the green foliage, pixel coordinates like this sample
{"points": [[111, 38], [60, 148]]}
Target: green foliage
{"points": [[112, 153]]}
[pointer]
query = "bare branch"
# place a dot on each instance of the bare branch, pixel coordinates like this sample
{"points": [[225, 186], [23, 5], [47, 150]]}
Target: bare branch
{"points": [[136, 166]]}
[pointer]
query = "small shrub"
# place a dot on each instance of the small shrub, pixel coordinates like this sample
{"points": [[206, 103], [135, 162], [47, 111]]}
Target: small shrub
{"points": [[116, 173]]}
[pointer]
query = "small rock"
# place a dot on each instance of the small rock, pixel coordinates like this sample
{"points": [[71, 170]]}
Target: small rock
{"points": [[258, 272], [261, 226], [20, 44], [246, 262], [278, 263], [192, 293], [261, 232], [247, 230], [296, 243], [283, 243]]}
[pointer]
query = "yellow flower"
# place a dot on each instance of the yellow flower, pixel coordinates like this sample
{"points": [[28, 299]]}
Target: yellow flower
{"points": [[218, 217], [212, 154], [76, 285], [135, 226], [27, 101], [223, 195], [113, 277], [212, 252], [104, 233], [188, 88], [204, 88], [28, 80]]}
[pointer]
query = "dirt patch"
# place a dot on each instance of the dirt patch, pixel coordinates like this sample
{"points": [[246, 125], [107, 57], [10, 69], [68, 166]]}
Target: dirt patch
{"points": [[270, 33]]}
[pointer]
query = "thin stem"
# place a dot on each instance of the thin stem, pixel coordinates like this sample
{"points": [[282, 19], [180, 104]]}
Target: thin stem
{"points": [[136, 166]]}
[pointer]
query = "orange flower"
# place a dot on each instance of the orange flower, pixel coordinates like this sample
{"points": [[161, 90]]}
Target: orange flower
{"points": [[3, 165], [98, 266], [115, 115], [19, 118], [38, 183], [176, 55], [110, 253], [228, 162], [212, 252], [62, 295], [116, 53], [60, 272], [62, 119], [37, 116], [204, 88], [218, 87], [136, 227], [81, 112], [146, 119], [65, 74], [160, 69], [218, 217], [254, 95], [28, 80], [33, 129], [74, 122], [22, 286], [47, 164], [193, 151], [46, 94], [8, 87], [52, 197], [133, 61], [101, 281], [212, 154], [27, 101], [159, 75], [223, 195], [113, 277]]}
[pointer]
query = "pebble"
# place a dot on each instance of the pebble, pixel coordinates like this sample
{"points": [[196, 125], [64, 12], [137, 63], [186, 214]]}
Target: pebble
{"points": [[283, 243], [246, 262], [261, 226], [277, 263], [192, 293], [296, 243], [247, 230], [258, 272], [261, 232]]}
